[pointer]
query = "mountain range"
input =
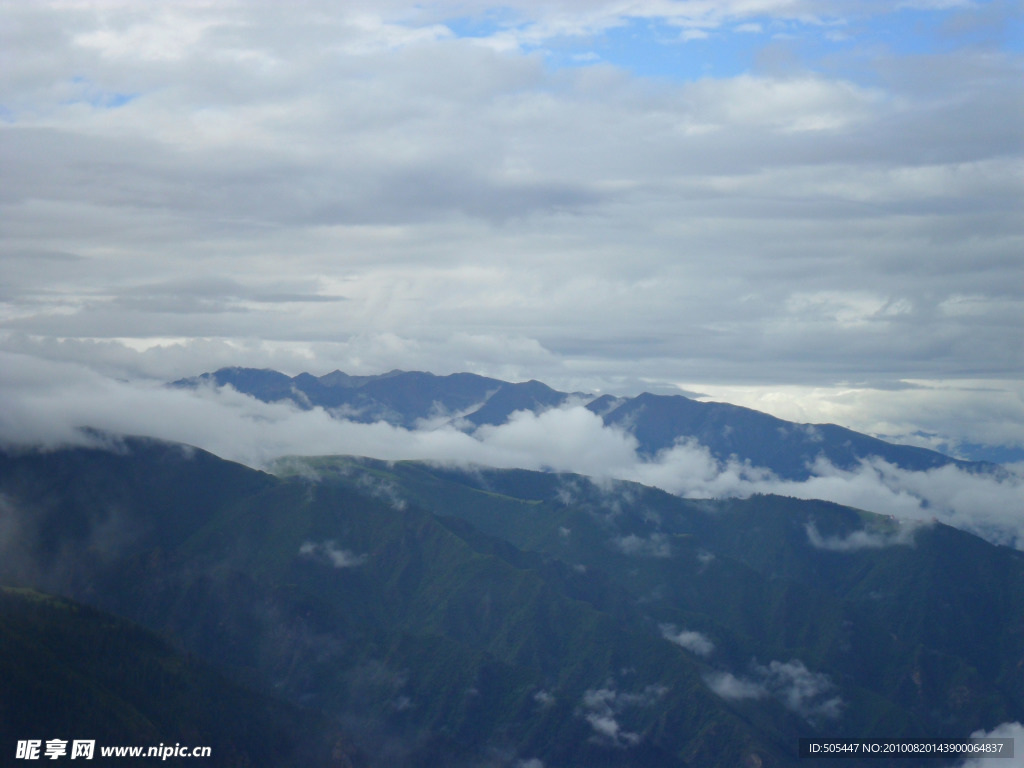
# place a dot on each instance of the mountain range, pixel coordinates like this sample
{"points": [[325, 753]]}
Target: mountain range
{"points": [[353, 612], [412, 399]]}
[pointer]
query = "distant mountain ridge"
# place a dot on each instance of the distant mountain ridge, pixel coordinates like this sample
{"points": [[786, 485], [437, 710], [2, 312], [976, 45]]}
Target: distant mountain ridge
{"points": [[412, 398]]}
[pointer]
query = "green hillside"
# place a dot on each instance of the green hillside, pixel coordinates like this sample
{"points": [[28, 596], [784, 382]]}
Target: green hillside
{"points": [[436, 616], [72, 672], [927, 631]]}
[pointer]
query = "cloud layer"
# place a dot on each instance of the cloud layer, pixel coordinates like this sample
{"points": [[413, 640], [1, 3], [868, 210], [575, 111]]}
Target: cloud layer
{"points": [[812, 695], [49, 403], [768, 195]]}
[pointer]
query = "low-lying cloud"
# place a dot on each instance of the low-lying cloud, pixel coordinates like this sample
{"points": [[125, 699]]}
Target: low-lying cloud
{"points": [[862, 539], [329, 553], [733, 688], [812, 695], [656, 545], [692, 641], [602, 707], [1013, 731], [50, 404]]}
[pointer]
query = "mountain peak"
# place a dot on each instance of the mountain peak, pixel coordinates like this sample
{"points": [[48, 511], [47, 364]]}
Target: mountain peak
{"points": [[658, 422]]}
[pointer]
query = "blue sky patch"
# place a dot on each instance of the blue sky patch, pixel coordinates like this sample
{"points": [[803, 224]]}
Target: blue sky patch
{"points": [[95, 96], [843, 46]]}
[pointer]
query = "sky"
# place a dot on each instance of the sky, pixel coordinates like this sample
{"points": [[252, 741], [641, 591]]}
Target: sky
{"points": [[810, 208]]}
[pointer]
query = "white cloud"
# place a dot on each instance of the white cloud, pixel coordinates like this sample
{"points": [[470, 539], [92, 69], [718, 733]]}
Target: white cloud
{"points": [[486, 210], [601, 708], [47, 402], [353, 186], [965, 410], [732, 688], [1013, 731], [163, 36], [544, 698], [570, 432], [795, 105], [607, 727], [812, 695], [695, 642], [861, 539], [382, 489], [329, 553]]}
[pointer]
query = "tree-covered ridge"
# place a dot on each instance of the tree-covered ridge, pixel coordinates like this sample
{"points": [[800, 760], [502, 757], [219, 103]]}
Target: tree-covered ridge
{"points": [[73, 672], [441, 616]]}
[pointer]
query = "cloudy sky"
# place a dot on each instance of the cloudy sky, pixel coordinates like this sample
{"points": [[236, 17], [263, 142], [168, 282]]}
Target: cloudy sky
{"points": [[813, 207]]}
